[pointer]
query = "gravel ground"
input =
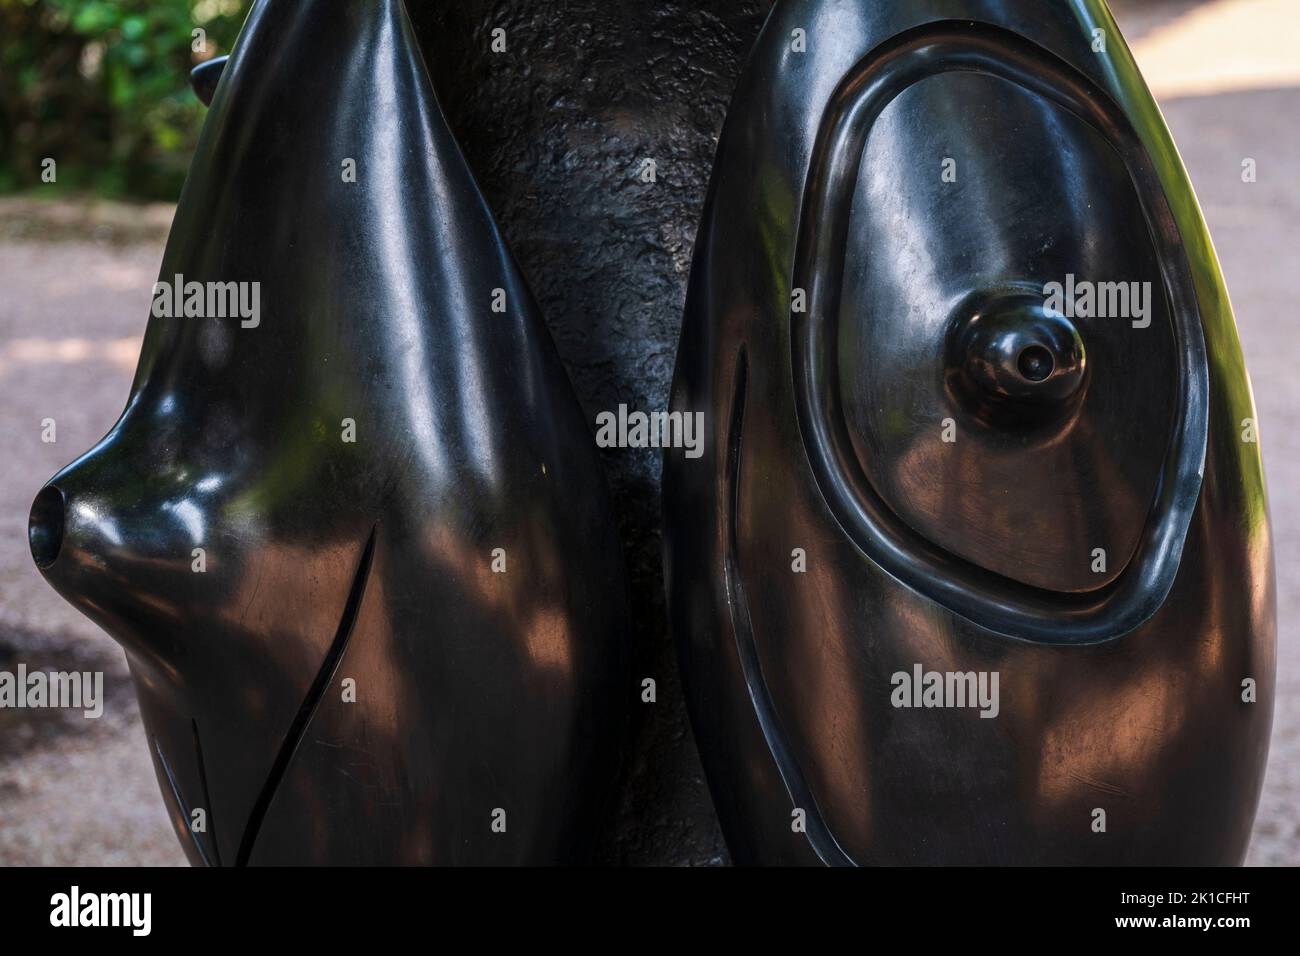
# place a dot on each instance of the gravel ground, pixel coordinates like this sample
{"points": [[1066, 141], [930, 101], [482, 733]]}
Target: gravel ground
{"points": [[72, 311]]}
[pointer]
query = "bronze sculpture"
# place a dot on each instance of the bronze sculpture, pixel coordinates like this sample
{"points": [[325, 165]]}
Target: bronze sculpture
{"points": [[939, 488], [831, 554], [352, 535]]}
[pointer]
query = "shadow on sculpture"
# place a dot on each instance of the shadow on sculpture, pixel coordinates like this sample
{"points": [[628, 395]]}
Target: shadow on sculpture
{"points": [[351, 528], [354, 539], [978, 426]]}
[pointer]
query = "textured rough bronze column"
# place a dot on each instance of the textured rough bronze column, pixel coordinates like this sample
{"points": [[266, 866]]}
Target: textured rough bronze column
{"points": [[557, 128], [976, 567]]}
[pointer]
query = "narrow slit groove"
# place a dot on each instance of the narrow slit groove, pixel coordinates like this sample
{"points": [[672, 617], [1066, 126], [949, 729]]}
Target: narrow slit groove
{"points": [[180, 802], [819, 836], [310, 703], [207, 797]]}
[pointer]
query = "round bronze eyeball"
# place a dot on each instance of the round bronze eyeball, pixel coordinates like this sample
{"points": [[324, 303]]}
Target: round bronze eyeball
{"points": [[1008, 360]]}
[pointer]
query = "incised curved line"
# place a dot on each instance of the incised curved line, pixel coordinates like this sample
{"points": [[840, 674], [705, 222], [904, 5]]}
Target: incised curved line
{"points": [[180, 801], [207, 797], [819, 835], [310, 703]]}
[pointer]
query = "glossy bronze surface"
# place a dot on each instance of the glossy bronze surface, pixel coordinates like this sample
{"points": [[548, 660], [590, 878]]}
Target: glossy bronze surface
{"points": [[925, 461], [557, 129], [354, 538], [205, 77]]}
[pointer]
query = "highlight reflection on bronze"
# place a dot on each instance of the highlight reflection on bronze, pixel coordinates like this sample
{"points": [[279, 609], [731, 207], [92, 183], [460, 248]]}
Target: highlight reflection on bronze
{"points": [[409, 610], [948, 487]]}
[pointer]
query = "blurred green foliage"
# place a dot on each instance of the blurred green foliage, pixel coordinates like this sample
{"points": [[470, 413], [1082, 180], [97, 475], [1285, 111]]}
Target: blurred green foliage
{"points": [[102, 87]]}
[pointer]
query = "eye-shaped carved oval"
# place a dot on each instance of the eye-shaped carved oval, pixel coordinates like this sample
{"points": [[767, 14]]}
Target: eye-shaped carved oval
{"points": [[1057, 424], [1022, 609]]}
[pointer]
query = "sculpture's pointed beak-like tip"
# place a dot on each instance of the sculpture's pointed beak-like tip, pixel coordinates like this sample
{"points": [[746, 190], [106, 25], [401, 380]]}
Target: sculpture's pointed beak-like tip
{"points": [[45, 526], [205, 76]]}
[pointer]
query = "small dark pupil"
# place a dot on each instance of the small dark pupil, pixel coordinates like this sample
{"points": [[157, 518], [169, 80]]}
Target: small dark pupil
{"points": [[1035, 363]]}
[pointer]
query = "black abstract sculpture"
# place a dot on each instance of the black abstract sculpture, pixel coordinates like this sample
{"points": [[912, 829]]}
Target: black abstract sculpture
{"points": [[982, 446], [354, 538], [557, 129], [353, 534]]}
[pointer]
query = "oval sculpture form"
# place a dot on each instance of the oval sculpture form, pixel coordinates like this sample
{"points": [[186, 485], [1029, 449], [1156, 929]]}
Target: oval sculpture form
{"points": [[352, 535], [977, 566]]}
